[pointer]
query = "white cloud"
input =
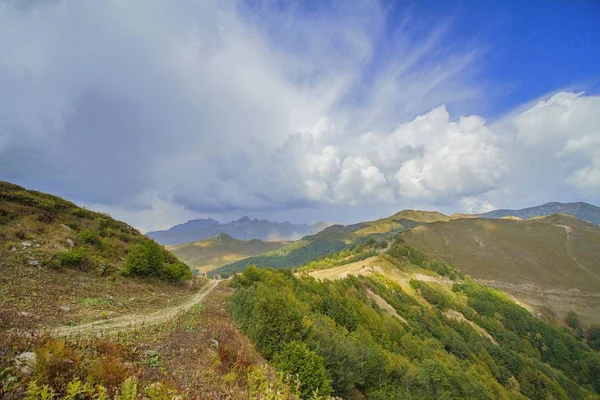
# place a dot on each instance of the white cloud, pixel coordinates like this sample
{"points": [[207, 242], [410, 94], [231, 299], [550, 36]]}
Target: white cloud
{"points": [[171, 110]]}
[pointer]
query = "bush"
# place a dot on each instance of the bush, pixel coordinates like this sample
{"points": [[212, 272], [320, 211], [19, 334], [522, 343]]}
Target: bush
{"points": [[572, 320], [297, 360], [177, 272], [83, 213], [90, 236], [56, 364], [593, 336], [108, 371], [71, 258], [145, 258]]}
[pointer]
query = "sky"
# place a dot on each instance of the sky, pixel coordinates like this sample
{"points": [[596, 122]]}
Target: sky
{"points": [[300, 110]]}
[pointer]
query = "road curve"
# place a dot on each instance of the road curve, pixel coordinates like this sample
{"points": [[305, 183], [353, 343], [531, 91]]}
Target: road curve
{"points": [[131, 320]]}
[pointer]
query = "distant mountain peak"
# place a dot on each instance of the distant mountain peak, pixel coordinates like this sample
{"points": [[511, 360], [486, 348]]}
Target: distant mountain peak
{"points": [[242, 229], [584, 211]]}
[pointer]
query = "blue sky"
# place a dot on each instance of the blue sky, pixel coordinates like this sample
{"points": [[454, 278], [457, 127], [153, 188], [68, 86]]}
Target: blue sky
{"points": [[300, 110]]}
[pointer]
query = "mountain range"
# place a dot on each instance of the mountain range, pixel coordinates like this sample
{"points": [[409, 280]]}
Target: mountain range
{"points": [[584, 211], [211, 253], [243, 229]]}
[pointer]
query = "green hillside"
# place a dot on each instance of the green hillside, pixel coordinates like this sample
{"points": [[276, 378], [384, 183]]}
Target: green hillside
{"points": [[334, 239], [372, 337], [219, 250], [63, 264]]}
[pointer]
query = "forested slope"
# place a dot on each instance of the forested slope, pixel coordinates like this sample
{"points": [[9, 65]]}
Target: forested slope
{"points": [[369, 336]]}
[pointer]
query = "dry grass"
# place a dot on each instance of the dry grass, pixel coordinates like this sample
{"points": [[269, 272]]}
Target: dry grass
{"points": [[200, 354], [548, 263]]}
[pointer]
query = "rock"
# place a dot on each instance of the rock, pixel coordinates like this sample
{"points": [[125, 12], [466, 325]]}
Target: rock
{"points": [[25, 362], [65, 309], [26, 244], [66, 227], [13, 249], [71, 242], [131, 299], [34, 263], [214, 343]]}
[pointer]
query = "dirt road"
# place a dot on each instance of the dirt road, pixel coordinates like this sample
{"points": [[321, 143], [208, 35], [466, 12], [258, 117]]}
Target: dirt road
{"points": [[128, 321]]}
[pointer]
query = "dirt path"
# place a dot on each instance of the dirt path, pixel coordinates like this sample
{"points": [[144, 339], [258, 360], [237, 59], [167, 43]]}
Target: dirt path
{"points": [[128, 321], [568, 231]]}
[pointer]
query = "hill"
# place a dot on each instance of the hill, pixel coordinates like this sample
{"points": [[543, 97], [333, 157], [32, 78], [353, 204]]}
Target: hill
{"points": [[549, 261], [63, 264], [584, 211], [407, 326], [334, 239], [243, 229], [219, 250]]}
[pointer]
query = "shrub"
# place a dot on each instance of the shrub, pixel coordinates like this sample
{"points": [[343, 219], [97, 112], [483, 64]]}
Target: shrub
{"points": [[177, 272], [71, 258], [108, 371], [572, 320], [593, 336], [56, 364], [296, 359], [45, 217], [145, 258], [90, 236], [83, 213]]}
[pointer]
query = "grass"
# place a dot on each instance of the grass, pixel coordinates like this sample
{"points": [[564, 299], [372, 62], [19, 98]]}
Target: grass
{"points": [[198, 354], [42, 271], [539, 261]]}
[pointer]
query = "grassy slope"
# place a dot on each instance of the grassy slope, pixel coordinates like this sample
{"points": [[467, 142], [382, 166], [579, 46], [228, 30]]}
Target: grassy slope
{"points": [[34, 229], [334, 239], [219, 250], [541, 260]]}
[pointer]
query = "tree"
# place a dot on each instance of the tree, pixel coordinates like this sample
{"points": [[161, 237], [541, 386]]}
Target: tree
{"points": [[297, 360], [572, 320], [593, 336], [177, 272], [144, 258]]}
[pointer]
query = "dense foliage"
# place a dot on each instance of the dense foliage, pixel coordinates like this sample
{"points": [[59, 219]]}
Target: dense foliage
{"points": [[494, 349], [148, 258]]}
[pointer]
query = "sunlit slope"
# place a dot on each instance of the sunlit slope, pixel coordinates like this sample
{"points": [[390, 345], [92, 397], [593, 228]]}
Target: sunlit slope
{"points": [[584, 211], [556, 251], [336, 238], [402, 325], [219, 250], [61, 263]]}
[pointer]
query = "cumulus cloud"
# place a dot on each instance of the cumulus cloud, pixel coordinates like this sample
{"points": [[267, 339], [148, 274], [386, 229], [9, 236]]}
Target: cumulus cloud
{"points": [[174, 110]]}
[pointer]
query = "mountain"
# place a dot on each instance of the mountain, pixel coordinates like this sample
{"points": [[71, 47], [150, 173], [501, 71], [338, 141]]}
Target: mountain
{"points": [[211, 253], [584, 211], [336, 238], [61, 263], [243, 229], [406, 326], [549, 261]]}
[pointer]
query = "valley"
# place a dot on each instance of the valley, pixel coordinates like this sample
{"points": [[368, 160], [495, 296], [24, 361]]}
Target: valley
{"points": [[208, 254]]}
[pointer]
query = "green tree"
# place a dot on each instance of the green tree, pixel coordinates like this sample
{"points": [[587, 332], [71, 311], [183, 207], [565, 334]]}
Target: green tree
{"points": [[177, 272], [144, 258], [572, 320], [297, 360], [593, 336]]}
